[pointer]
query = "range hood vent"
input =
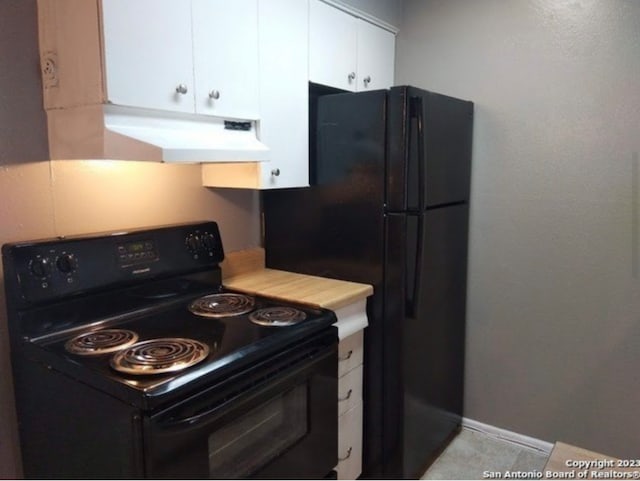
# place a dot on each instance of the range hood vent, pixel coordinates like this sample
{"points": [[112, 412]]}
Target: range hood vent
{"points": [[124, 133]]}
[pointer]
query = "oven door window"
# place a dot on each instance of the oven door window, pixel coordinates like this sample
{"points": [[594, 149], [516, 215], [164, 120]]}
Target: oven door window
{"points": [[254, 439]]}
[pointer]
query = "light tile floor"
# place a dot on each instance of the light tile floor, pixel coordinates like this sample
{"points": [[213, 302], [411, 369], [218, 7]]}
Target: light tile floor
{"points": [[471, 455]]}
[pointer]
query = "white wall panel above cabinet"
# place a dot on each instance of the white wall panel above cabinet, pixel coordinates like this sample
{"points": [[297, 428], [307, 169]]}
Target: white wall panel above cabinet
{"points": [[148, 54]]}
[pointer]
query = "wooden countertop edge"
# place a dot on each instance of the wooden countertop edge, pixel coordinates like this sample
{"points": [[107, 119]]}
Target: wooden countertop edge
{"points": [[245, 271], [290, 286]]}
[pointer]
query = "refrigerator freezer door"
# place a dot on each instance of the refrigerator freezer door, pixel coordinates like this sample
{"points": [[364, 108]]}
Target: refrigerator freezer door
{"points": [[429, 149]]}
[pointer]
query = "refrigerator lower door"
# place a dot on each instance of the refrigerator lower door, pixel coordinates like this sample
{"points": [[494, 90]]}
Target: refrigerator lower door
{"points": [[425, 337]]}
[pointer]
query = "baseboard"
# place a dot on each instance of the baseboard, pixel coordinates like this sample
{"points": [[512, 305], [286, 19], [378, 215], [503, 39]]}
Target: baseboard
{"points": [[509, 436]]}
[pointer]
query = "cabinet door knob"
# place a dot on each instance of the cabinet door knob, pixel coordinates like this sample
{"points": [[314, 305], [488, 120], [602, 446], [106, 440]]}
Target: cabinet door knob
{"points": [[182, 89], [275, 172], [345, 398], [352, 76], [214, 94], [347, 456], [347, 357], [367, 80]]}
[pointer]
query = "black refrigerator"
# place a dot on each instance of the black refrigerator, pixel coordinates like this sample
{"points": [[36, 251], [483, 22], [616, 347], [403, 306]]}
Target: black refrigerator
{"points": [[389, 206]]}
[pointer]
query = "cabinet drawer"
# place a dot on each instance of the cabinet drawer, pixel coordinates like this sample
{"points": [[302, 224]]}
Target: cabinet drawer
{"points": [[350, 443], [350, 353], [349, 390]]}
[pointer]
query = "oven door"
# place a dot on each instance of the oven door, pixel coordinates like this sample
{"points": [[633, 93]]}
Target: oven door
{"points": [[276, 420]]}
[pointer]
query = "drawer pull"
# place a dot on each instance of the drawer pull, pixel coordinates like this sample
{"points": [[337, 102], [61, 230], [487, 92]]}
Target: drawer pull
{"points": [[349, 393], [347, 357], [342, 458]]}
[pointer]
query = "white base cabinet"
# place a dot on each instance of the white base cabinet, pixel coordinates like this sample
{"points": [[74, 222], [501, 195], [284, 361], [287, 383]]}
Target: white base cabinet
{"points": [[352, 320], [350, 443]]}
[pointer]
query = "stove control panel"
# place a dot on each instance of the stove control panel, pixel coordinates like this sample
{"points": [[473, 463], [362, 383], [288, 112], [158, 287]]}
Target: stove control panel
{"points": [[53, 269], [137, 252]]}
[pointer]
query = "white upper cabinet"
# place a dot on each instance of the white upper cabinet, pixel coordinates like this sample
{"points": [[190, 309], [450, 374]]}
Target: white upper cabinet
{"points": [[148, 54], [283, 33], [197, 56], [376, 55], [348, 53], [332, 46], [225, 56], [284, 92]]}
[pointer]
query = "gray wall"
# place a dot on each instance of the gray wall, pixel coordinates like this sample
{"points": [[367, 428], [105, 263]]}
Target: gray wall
{"points": [[554, 297]]}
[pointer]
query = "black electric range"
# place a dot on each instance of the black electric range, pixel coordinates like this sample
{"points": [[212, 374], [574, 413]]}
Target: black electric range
{"points": [[127, 350]]}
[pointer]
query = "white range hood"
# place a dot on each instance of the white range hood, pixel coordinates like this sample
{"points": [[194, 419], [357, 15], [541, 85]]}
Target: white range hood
{"points": [[124, 133], [190, 138]]}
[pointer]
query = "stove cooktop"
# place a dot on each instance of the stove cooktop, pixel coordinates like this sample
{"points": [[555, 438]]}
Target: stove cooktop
{"points": [[232, 342]]}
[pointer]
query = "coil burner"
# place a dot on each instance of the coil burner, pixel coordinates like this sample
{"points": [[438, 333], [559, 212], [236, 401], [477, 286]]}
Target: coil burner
{"points": [[159, 356], [277, 316], [101, 342], [222, 305]]}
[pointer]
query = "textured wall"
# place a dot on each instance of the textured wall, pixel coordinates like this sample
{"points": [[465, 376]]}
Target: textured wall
{"points": [[42, 199], [554, 295]]}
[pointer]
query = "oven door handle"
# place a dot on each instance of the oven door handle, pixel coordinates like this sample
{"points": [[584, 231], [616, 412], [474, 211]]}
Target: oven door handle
{"points": [[266, 388]]}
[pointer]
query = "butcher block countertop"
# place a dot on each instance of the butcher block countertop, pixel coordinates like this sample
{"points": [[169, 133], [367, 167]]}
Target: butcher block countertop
{"points": [[244, 271]]}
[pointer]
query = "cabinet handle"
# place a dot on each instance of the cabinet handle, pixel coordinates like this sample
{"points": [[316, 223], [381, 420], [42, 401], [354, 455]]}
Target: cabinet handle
{"points": [[182, 89], [347, 357], [342, 458], [275, 172], [367, 80], [345, 398], [214, 94], [352, 77]]}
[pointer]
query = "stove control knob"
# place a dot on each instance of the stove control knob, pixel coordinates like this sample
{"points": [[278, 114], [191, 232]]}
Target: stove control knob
{"points": [[194, 243], [209, 241], [40, 267], [66, 263]]}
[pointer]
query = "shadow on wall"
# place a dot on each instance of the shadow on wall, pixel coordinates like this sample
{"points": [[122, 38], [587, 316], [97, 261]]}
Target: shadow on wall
{"points": [[23, 128]]}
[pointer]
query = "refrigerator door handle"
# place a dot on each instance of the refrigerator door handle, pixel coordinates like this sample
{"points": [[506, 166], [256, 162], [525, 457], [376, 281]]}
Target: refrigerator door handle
{"points": [[418, 113], [417, 278], [421, 150]]}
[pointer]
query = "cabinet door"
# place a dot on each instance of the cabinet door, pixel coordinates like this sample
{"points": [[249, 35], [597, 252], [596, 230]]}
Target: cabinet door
{"points": [[284, 92], [148, 54], [376, 54], [332, 46], [225, 56]]}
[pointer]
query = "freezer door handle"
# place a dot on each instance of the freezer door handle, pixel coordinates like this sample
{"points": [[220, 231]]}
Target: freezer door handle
{"points": [[414, 174], [418, 113]]}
